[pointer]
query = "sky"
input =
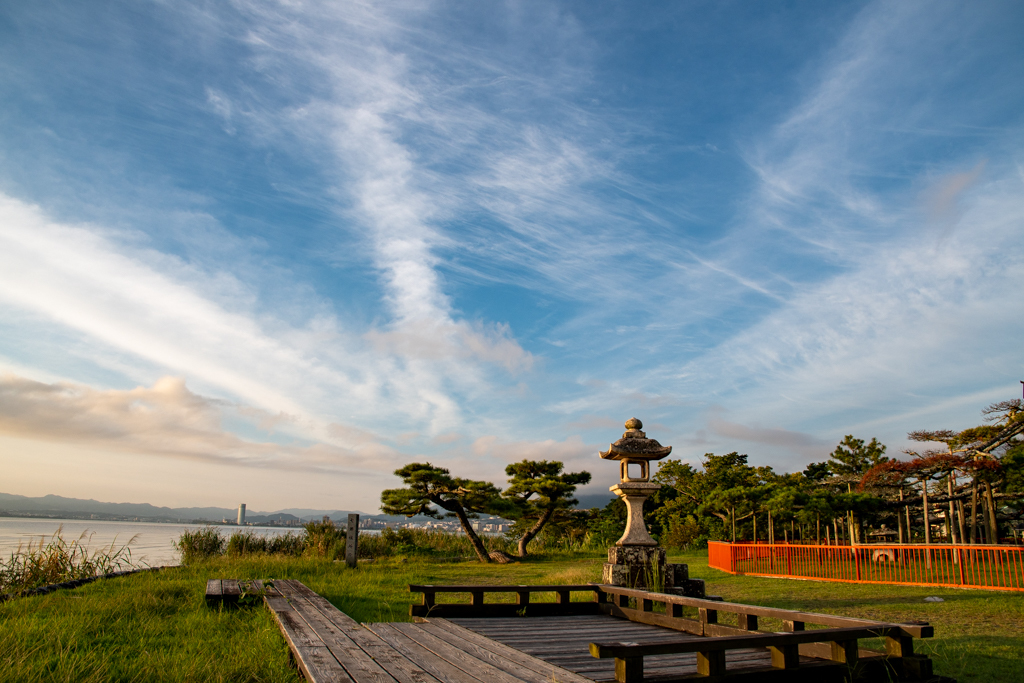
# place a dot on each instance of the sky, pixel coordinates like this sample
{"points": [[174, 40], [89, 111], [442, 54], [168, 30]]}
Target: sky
{"points": [[269, 252]]}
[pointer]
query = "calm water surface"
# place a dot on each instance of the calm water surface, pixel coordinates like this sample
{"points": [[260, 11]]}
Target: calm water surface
{"points": [[153, 544]]}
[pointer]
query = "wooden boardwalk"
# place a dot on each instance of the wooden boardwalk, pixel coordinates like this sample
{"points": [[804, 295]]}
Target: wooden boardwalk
{"points": [[626, 640], [330, 646]]}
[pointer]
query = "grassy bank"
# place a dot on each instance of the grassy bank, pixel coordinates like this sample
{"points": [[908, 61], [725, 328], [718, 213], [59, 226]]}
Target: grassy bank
{"points": [[155, 626]]}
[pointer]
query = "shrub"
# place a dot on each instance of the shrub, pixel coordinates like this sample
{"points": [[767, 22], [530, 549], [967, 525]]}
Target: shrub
{"points": [[424, 542], [323, 539], [250, 543], [200, 544]]}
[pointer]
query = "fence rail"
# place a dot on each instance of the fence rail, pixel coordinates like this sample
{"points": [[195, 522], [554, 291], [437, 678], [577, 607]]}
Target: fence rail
{"points": [[960, 566]]}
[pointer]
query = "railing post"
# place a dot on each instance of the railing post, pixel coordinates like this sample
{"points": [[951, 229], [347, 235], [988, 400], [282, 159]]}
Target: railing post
{"points": [[629, 669], [856, 561], [563, 598], [785, 656], [845, 651], [899, 646], [522, 598], [477, 598], [711, 663], [747, 622]]}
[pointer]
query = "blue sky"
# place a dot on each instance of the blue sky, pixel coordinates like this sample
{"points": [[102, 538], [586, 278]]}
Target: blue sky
{"points": [[270, 251]]}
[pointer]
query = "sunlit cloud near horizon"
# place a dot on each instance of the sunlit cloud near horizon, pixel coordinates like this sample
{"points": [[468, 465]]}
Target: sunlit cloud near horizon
{"points": [[269, 252]]}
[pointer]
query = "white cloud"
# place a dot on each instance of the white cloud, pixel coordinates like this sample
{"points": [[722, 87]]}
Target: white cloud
{"points": [[165, 420]]}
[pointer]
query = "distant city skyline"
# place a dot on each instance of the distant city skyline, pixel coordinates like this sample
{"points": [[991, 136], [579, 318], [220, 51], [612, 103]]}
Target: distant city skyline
{"points": [[259, 251]]}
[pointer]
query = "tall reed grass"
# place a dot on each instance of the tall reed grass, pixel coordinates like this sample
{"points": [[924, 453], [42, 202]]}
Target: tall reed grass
{"points": [[324, 539], [59, 560]]}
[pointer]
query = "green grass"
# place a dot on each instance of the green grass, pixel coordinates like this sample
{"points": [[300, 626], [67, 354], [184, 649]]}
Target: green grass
{"points": [[156, 626]]}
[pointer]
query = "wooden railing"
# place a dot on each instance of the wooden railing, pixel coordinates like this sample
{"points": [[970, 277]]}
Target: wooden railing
{"points": [[962, 566], [523, 605], [834, 643]]}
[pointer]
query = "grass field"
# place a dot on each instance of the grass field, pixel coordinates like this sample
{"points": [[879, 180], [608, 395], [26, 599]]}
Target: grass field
{"points": [[156, 626]]}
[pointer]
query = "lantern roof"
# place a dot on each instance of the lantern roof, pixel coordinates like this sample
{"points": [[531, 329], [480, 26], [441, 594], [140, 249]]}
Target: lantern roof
{"points": [[634, 445]]}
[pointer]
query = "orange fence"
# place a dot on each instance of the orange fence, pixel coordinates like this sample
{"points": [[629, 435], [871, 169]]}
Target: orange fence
{"points": [[960, 566]]}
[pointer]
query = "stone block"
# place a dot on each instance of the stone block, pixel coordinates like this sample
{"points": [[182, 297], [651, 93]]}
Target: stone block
{"points": [[636, 554]]}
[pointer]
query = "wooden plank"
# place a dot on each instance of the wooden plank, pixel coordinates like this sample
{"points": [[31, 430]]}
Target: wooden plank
{"points": [[360, 666], [318, 665], [842, 635], [504, 609], [691, 626], [294, 628], [477, 668], [214, 593], [314, 659], [437, 667], [546, 671], [229, 589], [391, 660], [503, 588]]}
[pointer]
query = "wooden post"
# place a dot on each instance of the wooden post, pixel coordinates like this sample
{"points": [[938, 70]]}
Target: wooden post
{"points": [[899, 646], [845, 652], [352, 541], [629, 669], [785, 656], [747, 622], [711, 663]]}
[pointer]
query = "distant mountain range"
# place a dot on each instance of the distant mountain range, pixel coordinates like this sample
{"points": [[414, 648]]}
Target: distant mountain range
{"points": [[58, 506], [77, 508]]}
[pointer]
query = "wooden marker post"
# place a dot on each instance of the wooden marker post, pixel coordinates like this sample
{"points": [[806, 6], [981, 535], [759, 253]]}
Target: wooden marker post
{"points": [[352, 540]]}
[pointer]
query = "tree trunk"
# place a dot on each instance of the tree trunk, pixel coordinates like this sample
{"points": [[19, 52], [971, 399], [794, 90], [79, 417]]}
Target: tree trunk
{"points": [[951, 517], [817, 537], [927, 522], [959, 513], [974, 511], [732, 514], [532, 533], [478, 545], [899, 521], [992, 521]]}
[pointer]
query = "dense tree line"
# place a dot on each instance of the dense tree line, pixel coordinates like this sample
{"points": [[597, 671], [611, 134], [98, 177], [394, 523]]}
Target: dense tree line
{"points": [[971, 490]]}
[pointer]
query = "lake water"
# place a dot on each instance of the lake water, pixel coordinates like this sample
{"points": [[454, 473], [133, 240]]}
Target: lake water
{"points": [[153, 544]]}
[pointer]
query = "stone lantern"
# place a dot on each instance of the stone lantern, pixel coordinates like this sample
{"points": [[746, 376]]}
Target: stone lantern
{"points": [[636, 560]]}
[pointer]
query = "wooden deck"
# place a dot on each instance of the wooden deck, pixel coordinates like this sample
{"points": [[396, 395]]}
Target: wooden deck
{"points": [[627, 641], [565, 641]]}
